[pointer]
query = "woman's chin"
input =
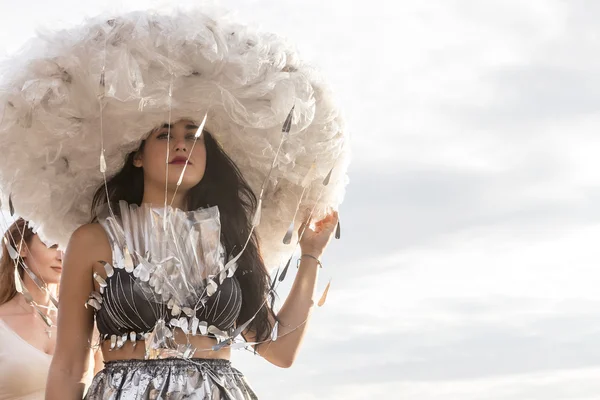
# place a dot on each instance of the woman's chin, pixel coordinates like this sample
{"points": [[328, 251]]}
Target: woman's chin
{"points": [[184, 187]]}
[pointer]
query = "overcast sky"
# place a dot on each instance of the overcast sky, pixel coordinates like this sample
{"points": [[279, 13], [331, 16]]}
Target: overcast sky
{"points": [[468, 265]]}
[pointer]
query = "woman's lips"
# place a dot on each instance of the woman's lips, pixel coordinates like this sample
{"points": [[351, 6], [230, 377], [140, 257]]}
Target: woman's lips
{"points": [[179, 160]]}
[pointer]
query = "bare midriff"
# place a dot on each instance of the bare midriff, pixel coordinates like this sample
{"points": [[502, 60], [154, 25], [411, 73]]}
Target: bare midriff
{"points": [[203, 345]]}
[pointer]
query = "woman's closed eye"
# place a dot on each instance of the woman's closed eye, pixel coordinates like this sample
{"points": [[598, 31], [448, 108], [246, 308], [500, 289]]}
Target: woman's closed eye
{"points": [[165, 135]]}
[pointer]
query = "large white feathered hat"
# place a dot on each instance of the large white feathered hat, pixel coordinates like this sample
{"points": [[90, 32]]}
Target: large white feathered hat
{"points": [[139, 67]]}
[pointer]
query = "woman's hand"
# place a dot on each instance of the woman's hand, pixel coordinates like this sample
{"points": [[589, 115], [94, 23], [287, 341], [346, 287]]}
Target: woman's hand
{"points": [[316, 237]]}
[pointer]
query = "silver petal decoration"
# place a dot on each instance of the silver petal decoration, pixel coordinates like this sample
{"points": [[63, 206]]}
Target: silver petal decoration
{"points": [[119, 342], [216, 331], [274, 332], [183, 325], [102, 162], [203, 326], [133, 338], [141, 272], [96, 296], [128, 260], [222, 276], [93, 303], [211, 287], [194, 325], [176, 310], [108, 268], [100, 280], [231, 269]]}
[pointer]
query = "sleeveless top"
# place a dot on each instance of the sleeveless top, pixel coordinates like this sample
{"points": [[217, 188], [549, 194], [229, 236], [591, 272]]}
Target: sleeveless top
{"points": [[168, 271], [23, 367]]}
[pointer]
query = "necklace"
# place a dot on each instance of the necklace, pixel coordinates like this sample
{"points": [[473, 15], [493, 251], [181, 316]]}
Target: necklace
{"points": [[46, 318]]}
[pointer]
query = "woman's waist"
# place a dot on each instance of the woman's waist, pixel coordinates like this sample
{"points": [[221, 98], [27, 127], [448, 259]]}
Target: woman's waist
{"points": [[202, 345]]}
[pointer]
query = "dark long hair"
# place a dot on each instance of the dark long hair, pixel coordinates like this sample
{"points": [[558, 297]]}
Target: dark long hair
{"points": [[224, 186], [18, 232]]}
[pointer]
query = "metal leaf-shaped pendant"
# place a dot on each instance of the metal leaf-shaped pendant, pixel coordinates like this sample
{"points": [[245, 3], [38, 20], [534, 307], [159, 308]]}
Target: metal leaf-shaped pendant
{"points": [[108, 268], [93, 303], [12, 252], [287, 239], [102, 162], [133, 338], [194, 326], [128, 260], [100, 280], [338, 230], [274, 332], [97, 296], [287, 125], [203, 326], [176, 310], [142, 273], [11, 207], [327, 178], [324, 295], [285, 270], [183, 325], [211, 287], [201, 127]]}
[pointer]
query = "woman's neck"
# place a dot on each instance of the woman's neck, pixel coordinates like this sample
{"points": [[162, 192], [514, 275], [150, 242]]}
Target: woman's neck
{"points": [[40, 296], [156, 197]]}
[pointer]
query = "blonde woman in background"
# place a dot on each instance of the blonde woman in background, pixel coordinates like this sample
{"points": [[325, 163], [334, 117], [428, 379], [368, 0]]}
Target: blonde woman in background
{"points": [[27, 328]]}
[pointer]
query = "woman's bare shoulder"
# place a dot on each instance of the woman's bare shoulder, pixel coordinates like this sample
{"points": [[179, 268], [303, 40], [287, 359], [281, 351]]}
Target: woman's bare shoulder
{"points": [[92, 240], [92, 231]]}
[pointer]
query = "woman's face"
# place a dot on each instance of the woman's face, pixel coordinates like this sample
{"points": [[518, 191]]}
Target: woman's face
{"points": [[153, 157], [45, 262]]}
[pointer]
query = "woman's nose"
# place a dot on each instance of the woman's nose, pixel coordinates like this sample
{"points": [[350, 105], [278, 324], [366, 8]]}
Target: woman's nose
{"points": [[180, 144]]}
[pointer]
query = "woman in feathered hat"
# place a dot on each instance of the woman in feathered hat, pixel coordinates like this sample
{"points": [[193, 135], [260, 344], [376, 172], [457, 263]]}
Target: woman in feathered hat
{"points": [[198, 144]]}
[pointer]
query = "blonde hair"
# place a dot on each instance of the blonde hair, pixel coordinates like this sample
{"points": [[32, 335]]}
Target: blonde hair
{"points": [[18, 232]]}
